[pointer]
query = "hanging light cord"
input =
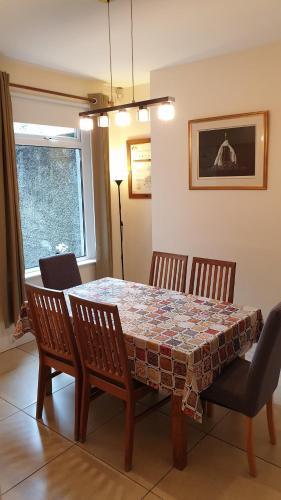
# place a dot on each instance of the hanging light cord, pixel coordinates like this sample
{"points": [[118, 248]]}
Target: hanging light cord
{"points": [[132, 47], [110, 58]]}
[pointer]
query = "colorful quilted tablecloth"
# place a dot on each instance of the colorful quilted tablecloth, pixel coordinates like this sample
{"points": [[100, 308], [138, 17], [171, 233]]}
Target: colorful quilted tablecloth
{"points": [[176, 342]]}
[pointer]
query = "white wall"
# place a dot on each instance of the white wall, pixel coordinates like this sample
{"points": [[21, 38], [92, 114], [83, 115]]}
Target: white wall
{"points": [[234, 225], [136, 212]]}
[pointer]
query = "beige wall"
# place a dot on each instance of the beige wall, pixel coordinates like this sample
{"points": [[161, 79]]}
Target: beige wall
{"points": [[37, 76], [136, 213], [236, 225]]}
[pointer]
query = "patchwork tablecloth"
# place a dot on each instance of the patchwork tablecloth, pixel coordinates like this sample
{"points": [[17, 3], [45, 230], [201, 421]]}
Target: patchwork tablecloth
{"points": [[176, 342]]}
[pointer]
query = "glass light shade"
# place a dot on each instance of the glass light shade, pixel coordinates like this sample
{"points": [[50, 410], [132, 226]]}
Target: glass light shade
{"points": [[166, 111], [103, 121], [123, 118], [86, 123], [143, 115]]}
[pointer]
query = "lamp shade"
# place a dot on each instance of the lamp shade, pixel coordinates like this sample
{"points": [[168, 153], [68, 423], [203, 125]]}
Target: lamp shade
{"points": [[166, 111], [103, 121], [143, 114], [86, 123], [123, 118]]}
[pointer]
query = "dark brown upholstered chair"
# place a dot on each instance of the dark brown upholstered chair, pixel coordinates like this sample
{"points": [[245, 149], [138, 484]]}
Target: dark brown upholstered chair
{"points": [[168, 270], [60, 272], [105, 363], [56, 344], [213, 279], [246, 387]]}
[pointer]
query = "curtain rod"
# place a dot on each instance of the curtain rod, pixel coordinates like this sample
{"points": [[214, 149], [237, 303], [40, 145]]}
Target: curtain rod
{"points": [[53, 92]]}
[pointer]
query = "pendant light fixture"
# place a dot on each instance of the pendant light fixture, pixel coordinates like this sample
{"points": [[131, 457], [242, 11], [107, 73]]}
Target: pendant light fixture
{"points": [[166, 109], [86, 123], [143, 114]]}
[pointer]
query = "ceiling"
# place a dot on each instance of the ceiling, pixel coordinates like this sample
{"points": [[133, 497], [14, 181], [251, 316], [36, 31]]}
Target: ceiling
{"points": [[71, 35]]}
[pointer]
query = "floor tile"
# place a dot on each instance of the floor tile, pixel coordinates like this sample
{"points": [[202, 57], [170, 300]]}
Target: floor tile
{"points": [[208, 422], [25, 446], [76, 475], [30, 347], [151, 496], [18, 378], [277, 394], [152, 456], [218, 471], [232, 430], [58, 411], [152, 398], [6, 409]]}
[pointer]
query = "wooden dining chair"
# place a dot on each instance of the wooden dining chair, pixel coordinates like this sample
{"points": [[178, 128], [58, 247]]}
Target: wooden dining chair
{"points": [[246, 387], [168, 270], [56, 344], [105, 363], [213, 279], [60, 272]]}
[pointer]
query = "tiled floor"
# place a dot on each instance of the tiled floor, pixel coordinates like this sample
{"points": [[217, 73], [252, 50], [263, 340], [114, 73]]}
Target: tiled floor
{"points": [[41, 460]]}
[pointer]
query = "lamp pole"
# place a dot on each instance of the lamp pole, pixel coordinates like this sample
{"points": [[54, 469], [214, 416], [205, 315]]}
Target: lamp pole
{"points": [[118, 182]]}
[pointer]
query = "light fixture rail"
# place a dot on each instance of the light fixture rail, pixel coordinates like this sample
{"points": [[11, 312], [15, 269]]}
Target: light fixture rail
{"points": [[137, 104]]}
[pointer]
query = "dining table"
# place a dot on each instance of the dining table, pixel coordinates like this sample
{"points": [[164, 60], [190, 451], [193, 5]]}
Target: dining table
{"points": [[176, 343]]}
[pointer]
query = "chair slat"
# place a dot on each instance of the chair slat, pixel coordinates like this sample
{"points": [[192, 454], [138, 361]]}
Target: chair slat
{"points": [[225, 286], [168, 271], [217, 282], [203, 284], [210, 272], [198, 278], [105, 339], [53, 328], [214, 288]]}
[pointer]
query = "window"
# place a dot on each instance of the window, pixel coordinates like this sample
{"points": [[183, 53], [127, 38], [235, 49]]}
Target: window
{"points": [[55, 191]]}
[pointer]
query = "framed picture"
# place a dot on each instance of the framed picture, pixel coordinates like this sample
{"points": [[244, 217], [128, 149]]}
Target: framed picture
{"points": [[229, 152], [139, 166]]}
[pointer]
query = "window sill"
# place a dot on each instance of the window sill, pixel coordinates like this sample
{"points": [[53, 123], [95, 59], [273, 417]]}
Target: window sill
{"points": [[34, 273]]}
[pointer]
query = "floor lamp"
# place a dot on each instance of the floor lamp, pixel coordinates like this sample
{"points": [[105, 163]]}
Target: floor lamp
{"points": [[118, 182]]}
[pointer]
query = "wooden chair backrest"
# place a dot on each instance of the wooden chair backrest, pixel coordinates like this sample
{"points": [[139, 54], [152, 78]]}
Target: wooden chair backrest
{"points": [[100, 339], [214, 279], [168, 271], [51, 323]]}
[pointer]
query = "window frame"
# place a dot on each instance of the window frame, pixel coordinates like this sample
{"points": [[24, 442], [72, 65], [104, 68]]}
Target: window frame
{"points": [[83, 142]]}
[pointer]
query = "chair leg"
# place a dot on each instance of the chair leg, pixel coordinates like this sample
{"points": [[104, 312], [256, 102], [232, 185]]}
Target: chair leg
{"points": [[84, 412], [129, 434], [77, 412], [270, 421], [41, 389], [49, 381], [249, 447]]}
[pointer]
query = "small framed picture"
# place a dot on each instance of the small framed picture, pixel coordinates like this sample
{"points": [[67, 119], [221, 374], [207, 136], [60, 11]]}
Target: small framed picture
{"points": [[229, 152], [139, 166]]}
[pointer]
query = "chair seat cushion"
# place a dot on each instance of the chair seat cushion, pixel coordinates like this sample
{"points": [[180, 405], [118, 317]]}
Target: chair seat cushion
{"points": [[229, 389]]}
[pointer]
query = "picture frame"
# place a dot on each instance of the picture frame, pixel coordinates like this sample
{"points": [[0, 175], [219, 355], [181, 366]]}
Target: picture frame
{"points": [[139, 168], [229, 151]]}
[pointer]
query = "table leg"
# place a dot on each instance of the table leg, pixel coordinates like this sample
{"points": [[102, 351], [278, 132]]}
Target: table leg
{"points": [[178, 434]]}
